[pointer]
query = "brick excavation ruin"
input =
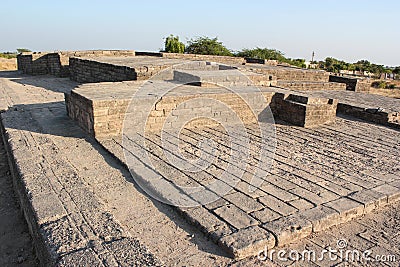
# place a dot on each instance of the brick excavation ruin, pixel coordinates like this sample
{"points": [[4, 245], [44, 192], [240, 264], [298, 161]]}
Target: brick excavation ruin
{"points": [[333, 156]]}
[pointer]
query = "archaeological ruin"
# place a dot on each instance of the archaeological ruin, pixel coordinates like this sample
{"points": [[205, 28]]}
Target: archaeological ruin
{"points": [[250, 153]]}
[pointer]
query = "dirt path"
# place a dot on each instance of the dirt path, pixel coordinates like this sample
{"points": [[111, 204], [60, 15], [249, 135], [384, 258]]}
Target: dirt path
{"points": [[15, 242]]}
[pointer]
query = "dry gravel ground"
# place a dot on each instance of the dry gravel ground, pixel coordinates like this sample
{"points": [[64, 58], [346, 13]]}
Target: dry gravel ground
{"points": [[8, 64], [395, 93], [15, 242]]}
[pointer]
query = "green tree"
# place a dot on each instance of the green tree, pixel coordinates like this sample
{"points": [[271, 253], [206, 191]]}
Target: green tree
{"points": [[334, 65], [22, 50], [363, 65], [270, 54], [329, 64], [262, 53], [396, 70], [207, 46], [8, 55], [173, 45], [298, 62]]}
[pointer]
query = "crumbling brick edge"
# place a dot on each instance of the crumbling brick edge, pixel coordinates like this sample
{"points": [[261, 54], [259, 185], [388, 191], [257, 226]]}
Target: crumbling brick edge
{"points": [[43, 252]]}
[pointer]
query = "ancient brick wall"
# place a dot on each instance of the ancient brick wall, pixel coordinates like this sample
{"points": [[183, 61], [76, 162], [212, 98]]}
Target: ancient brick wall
{"points": [[309, 86], [352, 84], [84, 70], [104, 117], [218, 59], [372, 115], [261, 61], [292, 74], [57, 63], [91, 71], [24, 63], [304, 111], [98, 53], [80, 109], [42, 63]]}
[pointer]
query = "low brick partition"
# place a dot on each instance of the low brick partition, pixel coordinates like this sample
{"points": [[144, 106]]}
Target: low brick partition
{"points": [[89, 71], [196, 57], [41, 64], [211, 58], [309, 86], [290, 73], [261, 61], [304, 111], [374, 115], [115, 69], [352, 84], [226, 77]]}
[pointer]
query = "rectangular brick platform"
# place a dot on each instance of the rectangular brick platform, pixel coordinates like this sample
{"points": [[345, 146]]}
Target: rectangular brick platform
{"points": [[304, 111], [373, 108], [101, 108], [102, 69], [352, 84]]}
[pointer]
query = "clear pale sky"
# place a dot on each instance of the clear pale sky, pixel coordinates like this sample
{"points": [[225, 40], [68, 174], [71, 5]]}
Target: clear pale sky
{"points": [[348, 30]]}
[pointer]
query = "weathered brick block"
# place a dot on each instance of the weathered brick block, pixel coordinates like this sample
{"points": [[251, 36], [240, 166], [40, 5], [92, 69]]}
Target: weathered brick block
{"points": [[235, 216], [304, 111], [246, 203], [247, 242], [277, 205], [289, 229], [347, 208]]}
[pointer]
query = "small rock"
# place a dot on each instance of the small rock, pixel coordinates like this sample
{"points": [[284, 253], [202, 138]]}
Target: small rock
{"points": [[20, 259]]}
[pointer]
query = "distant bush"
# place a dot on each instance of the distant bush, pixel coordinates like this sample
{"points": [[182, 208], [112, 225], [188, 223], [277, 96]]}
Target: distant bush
{"points": [[379, 84], [262, 53], [207, 46], [22, 50], [298, 62], [383, 85], [173, 45], [270, 54], [8, 55]]}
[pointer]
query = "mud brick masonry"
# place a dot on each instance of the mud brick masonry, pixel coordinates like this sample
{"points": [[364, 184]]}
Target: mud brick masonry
{"points": [[304, 111], [99, 66], [352, 84], [101, 108], [57, 63], [329, 167]]}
